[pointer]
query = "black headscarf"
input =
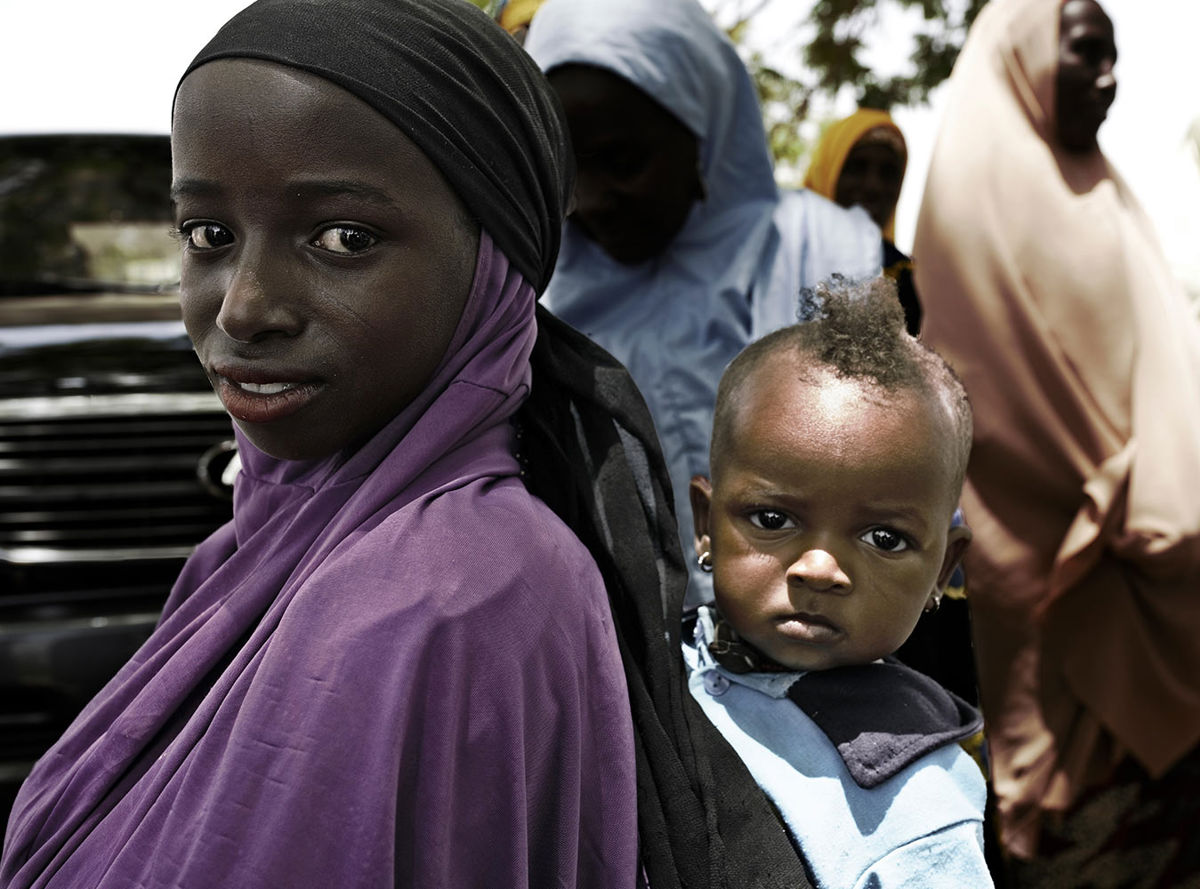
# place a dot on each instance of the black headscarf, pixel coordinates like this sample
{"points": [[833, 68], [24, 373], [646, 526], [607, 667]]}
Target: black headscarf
{"points": [[467, 95], [452, 81]]}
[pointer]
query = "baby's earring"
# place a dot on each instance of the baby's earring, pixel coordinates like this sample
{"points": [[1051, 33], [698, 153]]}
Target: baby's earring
{"points": [[705, 562], [934, 603]]}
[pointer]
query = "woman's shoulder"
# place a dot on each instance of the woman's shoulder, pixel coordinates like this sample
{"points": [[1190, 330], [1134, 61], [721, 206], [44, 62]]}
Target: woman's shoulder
{"points": [[505, 513], [486, 544], [804, 209], [831, 238]]}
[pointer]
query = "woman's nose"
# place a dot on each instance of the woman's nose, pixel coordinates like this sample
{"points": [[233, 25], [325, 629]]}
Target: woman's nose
{"points": [[874, 183], [257, 303], [1106, 81], [819, 569], [591, 194]]}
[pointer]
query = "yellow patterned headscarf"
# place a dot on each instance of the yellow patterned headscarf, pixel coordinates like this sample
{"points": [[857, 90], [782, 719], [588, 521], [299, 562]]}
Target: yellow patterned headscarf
{"points": [[518, 14], [835, 145]]}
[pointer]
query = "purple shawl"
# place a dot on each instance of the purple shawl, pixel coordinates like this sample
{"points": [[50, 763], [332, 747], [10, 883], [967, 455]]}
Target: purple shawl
{"points": [[394, 667]]}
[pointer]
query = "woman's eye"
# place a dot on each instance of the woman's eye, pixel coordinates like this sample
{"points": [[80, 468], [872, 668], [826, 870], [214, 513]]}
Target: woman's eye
{"points": [[771, 520], [622, 163], [885, 539], [1093, 50], [206, 235], [344, 239]]}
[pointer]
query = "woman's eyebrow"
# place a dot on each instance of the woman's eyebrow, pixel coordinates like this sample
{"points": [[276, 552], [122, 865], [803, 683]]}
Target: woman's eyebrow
{"points": [[181, 188], [305, 189], [343, 188]]}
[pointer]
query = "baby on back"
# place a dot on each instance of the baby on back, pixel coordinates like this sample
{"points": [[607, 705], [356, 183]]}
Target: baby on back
{"points": [[838, 453]]}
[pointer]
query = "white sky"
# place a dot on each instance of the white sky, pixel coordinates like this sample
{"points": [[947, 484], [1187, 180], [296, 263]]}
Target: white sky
{"points": [[92, 65], [95, 65]]}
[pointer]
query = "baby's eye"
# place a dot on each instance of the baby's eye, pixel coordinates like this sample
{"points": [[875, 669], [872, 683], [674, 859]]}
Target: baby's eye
{"points": [[205, 235], [885, 539], [346, 239], [771, 520]]}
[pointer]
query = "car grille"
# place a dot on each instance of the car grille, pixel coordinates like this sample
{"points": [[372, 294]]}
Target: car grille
{"points": [[99, 492]]}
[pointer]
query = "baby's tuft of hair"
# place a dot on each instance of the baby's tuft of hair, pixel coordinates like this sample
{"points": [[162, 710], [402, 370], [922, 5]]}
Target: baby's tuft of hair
{"points": [[857, 331]]}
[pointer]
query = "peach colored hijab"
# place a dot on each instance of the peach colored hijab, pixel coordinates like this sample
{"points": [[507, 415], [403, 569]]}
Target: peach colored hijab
{"points": [[1045, 288]]}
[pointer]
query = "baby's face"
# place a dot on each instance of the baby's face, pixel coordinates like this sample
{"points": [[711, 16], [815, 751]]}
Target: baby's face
{"points": [[326, 262], [829, 524]]}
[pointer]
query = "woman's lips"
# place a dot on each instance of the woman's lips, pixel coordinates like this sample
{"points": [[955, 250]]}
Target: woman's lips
{"points": [[804, 627], [263, 401]]}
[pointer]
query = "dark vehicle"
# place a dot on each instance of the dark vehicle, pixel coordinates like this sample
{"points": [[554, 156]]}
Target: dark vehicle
{"points": [[115, 455]]}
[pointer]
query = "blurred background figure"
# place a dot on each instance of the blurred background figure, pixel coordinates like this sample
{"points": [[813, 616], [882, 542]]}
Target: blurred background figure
{"points": [[1044, 286], [681, 248], [860, 161]]}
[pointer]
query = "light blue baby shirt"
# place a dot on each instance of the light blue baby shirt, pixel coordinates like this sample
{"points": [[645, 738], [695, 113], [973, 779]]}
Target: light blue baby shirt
{"points": [[920, 829]]}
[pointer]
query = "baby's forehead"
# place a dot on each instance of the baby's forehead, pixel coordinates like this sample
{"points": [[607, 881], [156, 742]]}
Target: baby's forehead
{"points": [[792, 424], [832, 397], [791, 379], [817, 393]]}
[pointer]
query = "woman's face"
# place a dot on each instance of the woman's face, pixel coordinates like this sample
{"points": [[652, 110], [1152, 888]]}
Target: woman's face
{"points": [[636, 164], [1085, 84], [871, 178], [326, 262]]}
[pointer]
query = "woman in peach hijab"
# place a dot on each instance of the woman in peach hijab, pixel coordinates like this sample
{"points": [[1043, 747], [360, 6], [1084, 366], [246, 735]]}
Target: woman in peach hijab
{"points": [[1044, 286]]}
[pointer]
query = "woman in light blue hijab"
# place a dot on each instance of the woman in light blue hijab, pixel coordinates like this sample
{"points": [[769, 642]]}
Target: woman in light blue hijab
{"points": [[741, 252]]}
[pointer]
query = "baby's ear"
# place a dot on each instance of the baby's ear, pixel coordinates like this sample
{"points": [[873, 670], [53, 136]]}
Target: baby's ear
{"points": [[957, 542], [700, 494]]}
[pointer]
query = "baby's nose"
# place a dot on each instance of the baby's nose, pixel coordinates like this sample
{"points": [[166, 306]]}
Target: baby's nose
{"points": [[819, 569]]}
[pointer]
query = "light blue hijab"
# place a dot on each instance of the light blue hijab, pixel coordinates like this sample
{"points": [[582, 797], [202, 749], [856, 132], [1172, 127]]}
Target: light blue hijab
{"points": [[736, 269]]}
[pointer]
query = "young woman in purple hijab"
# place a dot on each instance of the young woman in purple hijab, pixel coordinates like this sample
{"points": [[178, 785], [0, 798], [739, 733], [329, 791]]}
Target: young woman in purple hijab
{"points": [[395, 666]]}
